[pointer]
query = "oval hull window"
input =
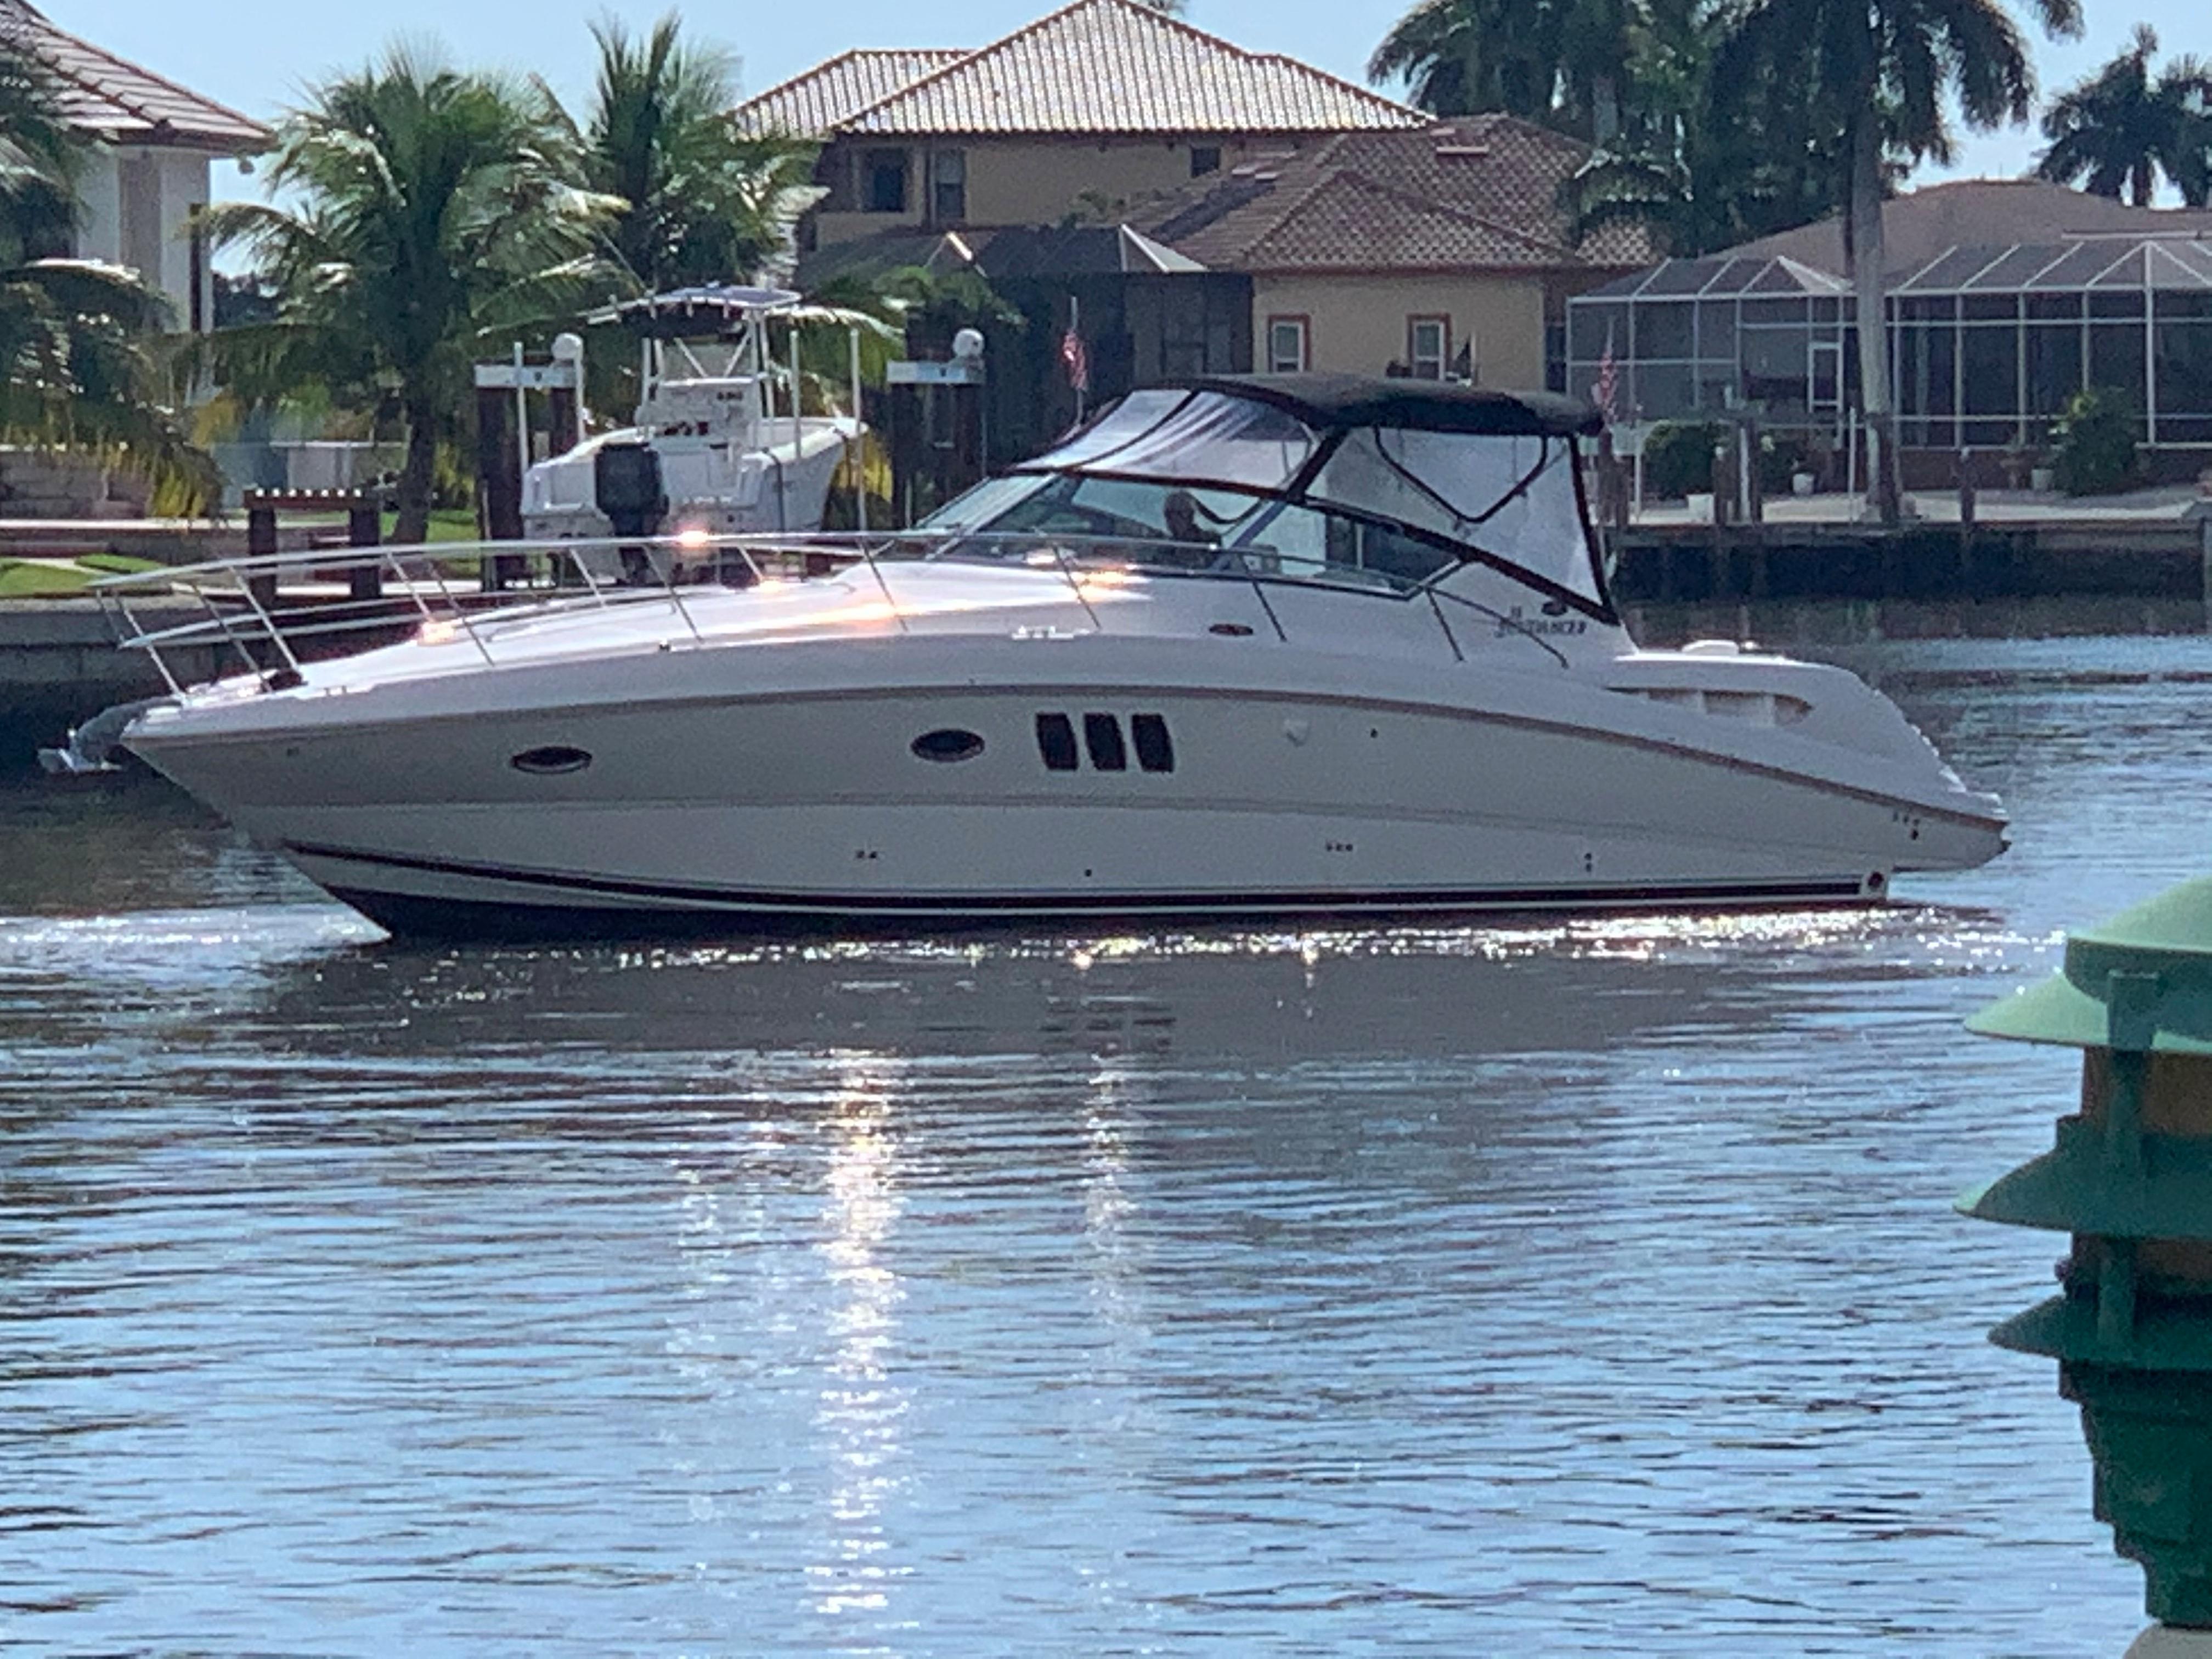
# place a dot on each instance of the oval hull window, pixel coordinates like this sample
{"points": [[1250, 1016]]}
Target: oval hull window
{"points": [[553, 758], [947, 744]]}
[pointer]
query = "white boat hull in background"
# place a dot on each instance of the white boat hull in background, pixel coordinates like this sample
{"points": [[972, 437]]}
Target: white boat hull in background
{"points": [[711, 491]]}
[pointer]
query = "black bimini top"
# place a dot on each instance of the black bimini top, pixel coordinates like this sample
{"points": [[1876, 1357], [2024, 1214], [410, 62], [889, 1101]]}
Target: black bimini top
{"points": [[1329, 401]]}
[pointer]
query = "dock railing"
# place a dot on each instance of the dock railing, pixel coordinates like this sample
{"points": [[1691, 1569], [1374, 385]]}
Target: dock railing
{"points": [[275, 613]]}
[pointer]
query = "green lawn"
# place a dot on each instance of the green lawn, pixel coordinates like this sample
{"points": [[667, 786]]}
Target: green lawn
{"points": [[447, 523], [49, 578], [23, 579]]}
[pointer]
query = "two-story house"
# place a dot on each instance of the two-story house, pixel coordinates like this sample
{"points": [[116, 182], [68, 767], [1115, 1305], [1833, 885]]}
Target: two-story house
{"points": [[1099, 103], [1185, 206], [1436, 254], [146, 174]]}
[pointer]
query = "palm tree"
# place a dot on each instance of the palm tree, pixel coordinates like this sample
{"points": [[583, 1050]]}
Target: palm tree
{"points": [[1701, 171], [39, 157], [77, 339], [1565, 63], [703, 201], [1458, 56], [437, 213], [1880, 71], [2120, 128]]}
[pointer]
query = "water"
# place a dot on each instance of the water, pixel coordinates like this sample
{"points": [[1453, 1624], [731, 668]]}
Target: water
{"points": [[1582, 1289]]}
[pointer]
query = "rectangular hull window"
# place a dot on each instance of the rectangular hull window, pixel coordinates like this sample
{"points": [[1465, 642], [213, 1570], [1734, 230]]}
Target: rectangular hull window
{"points": [[1155, 748], [1056, 743], [1102, 736]]}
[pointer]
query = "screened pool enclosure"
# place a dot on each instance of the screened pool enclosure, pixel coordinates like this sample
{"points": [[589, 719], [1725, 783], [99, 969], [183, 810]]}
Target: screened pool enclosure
{"points": [[1988, 344]]}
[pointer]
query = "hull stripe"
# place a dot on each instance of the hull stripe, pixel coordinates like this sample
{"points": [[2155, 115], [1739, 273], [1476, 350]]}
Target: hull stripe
{"points": [[1829, 889]]}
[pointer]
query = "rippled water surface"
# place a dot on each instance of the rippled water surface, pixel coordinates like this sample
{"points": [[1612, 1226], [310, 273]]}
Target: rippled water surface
{"points": [[1582, 1289]]}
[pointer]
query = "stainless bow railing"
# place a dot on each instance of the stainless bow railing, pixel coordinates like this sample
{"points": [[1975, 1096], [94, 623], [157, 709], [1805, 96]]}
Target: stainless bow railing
{"points": [[276, 612]]}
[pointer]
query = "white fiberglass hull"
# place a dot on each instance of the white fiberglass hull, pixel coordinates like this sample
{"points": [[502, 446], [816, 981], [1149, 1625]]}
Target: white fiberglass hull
{"points": [[708, 795], [782, 487]]}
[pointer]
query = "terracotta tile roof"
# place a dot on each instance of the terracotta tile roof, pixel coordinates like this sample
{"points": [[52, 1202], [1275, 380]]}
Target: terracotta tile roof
{"points": [[1477, 193], [1115, 66], [1921, 223], [815, 104], [102, 96]]}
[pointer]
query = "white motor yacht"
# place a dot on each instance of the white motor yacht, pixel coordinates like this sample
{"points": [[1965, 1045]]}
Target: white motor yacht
{"points": [[1308, 648]]}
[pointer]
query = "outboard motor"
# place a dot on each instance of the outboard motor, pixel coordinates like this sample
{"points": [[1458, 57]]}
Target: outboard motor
{"points": [[627, 486]]}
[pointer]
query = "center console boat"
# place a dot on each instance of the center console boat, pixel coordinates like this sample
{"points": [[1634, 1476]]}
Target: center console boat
{"points": [[718, 442], [1308, 648]]}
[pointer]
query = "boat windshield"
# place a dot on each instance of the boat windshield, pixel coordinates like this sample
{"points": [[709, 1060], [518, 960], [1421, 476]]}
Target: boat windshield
{"points": [[1171, 526]]}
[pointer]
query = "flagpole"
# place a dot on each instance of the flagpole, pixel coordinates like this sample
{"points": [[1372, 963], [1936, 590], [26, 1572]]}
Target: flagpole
{"points": [[1075, 327]]}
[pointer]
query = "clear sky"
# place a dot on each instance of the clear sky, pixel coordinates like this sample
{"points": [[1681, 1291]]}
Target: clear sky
{"points": [[256, 54]]}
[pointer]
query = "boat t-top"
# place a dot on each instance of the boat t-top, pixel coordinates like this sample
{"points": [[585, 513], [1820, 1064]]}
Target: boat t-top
{"points": [[1309, 647]]}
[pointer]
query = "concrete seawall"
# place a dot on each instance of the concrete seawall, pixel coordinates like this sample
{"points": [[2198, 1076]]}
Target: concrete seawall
{"points": [[59, 666]]}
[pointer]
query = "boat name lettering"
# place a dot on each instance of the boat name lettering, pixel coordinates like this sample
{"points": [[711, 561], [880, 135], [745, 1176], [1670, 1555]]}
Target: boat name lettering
{"points": [[1515, 622]]}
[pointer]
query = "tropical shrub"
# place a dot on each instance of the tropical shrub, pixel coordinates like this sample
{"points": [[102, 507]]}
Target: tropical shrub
{"points": [[2094, 443], [1678, 457]]}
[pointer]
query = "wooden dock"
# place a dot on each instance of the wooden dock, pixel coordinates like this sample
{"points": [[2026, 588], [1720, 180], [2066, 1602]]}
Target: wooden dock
{"points": [[2154, 543]]}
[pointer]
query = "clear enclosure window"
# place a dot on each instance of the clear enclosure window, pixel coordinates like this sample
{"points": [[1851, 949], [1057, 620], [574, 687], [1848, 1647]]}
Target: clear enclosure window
{"points": [[1203, 437], [1137, 413], [1513, 496]]}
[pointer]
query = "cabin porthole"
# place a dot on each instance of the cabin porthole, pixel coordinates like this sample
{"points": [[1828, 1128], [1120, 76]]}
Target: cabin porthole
{"points": [[947, 744], [551, 759]]}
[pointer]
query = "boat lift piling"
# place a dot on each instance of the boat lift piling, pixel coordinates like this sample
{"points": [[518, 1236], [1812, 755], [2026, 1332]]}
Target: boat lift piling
{"points": [[503, 430]]}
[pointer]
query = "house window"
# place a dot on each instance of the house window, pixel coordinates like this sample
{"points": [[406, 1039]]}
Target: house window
{"points": [[883, 174], [1204, 159], [1428, 347], [1287, 345], [948, 186]]}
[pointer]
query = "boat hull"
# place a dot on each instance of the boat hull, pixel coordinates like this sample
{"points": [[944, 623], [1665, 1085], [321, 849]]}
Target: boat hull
{"points": [[780, 811]]}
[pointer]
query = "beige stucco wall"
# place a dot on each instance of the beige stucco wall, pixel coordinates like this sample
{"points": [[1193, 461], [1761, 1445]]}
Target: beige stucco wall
{"points": [[1026, 181], [1356, 323], [832, 227], [1039, 182]]}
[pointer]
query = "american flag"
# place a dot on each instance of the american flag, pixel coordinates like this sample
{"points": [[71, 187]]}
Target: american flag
{"points": [[1077, 359], [1605, 390]]}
